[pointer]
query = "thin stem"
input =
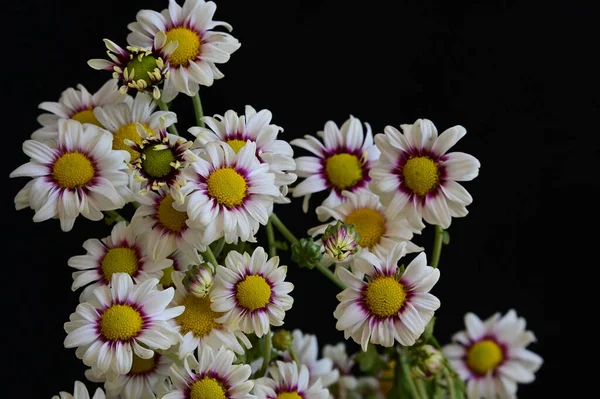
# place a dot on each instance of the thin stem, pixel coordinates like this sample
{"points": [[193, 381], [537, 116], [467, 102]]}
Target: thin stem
{"points": [[271, 239], [437, 246], [409, 381], [267, 354], [294, 356], [219, 247], [421, 388], [198, 109], [330, 275], [450, 382], [282, 229], [164, 107], [210, 256], [116, 216]]}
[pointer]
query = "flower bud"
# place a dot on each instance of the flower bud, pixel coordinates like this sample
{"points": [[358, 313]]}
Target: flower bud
{"points": [[430, 362], [198, 280], [340, 240], [282, 340], [306, 253]]}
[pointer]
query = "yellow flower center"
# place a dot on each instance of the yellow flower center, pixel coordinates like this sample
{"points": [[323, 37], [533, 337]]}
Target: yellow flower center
{"points": [[421, 175], [343, 170], [188, 48], [86, 116], [73, 170], [120, 323], [142, 366], [207, 388], [484, 356], [167, 278], [236, 145], [157, 163], [197, 317], [289, 395], [119, 260], [169, 217], [227, 186], [253, 293], [129, 132], [369, 224], [384, 296]]}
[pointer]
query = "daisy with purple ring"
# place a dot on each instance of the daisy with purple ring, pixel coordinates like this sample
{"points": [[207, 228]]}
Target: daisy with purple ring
{"points": [[288, 381]]}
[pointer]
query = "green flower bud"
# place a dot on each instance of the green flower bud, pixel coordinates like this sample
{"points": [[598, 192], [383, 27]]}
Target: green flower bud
{"points": [[306, 253], [282, 340]]}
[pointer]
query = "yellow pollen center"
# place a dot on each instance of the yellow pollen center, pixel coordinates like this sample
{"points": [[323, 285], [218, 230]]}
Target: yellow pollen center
{"points": [[169, 217], [119, 260], [167, 278], [141, 366], [421, 175], [157, 163], [369, 224], [484, 356], [120, 323], [86, 116], [384, 296], [236, 145], [207, 388], [73, 170], [289, 395], [227, 186], [129, 132], [197, 317], [343, 170], [253, 293], [188, 48]]}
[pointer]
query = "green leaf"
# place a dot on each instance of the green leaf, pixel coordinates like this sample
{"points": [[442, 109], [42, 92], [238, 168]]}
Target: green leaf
{"points": [[446, 237], [370, 362], [429, 329]]}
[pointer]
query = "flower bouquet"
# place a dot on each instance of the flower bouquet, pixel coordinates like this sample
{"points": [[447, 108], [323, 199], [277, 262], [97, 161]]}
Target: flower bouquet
{"points": [[187, 295]]}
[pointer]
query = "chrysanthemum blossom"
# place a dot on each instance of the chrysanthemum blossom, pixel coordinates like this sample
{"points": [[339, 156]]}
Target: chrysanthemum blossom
{"points": [[379, 230], [416, 174], [121, 320], [78, 174], [342, 162], [198, 325], [491, 357], [166, 226], [199, 47], [80, 392], [229, 194], [212, 376], [288, 381], [349, 383], [251, 292], [389, 305], [123, 251], [257, 127], [77, 104]]}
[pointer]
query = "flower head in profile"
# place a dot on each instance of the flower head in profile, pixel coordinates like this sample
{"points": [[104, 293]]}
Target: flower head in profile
{"points": [[288, 381], [120, 321], [389, 305], [80, 392], [199, 47], [417, 176], [491, 356], [79, 174], [342, 162]]}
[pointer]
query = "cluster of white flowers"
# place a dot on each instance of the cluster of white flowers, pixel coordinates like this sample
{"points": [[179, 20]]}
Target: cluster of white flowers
{"points": [[181, 301]]}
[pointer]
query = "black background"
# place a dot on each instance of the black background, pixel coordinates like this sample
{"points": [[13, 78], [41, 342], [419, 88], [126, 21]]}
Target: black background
{"points": [[510, 72]]}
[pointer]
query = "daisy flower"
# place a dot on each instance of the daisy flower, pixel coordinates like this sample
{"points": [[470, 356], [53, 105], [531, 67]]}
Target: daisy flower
{"points": [[121, 252], [212, 376], [229, 194], [122, 119], [166, 226], [199, 48], [79, 174], [389, 305], [342, 162], [378, 229], [491, 356], [416, 175], [347, 382], [121, 320], [288, 381], [77, 104], [198, 325], [251, 291], [254, 126], [138, 68], [80, 392]]}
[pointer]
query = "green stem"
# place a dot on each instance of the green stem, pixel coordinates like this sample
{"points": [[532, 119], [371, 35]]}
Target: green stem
{"points": [[271, 239], [294, 356], [116, 216], [208, 254], [282, 229], [330, 275], [450, 382], [421, 388], [198, 109], [219, 247], [267, 355], [409, 381], [437, 246], [164, 107]]}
